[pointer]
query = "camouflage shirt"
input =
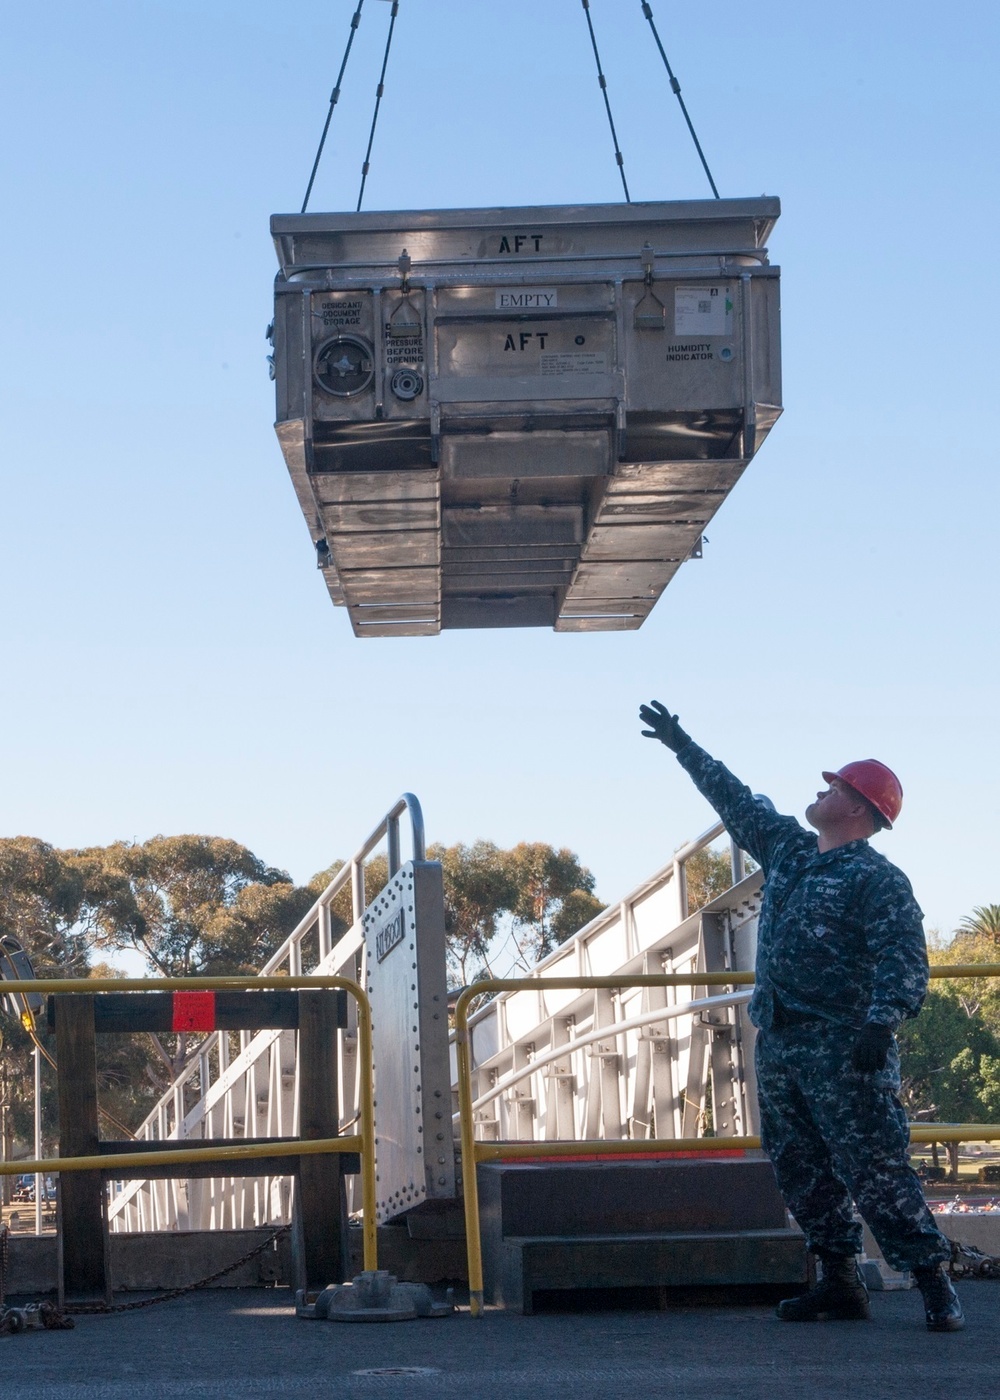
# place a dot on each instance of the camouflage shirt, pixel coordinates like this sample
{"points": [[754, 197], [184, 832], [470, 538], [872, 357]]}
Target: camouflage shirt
{"points": [[840, 935]]}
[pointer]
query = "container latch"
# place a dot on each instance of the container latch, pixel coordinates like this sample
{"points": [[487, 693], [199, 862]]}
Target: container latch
{"points": [[405, 319], [650, 313]]}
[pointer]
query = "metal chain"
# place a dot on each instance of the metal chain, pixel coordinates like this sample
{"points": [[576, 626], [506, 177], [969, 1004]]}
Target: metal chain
{"points": [[168, 1297], [676, 87], [620, 159], [378, 102], [49, 1316], [334, 99]]}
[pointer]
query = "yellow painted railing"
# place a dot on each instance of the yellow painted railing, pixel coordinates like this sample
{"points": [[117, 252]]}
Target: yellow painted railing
{"points": [[235, 1152], [474, 1152]]}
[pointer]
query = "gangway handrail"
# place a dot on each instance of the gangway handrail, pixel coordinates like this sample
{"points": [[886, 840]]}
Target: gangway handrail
{"points": [[652, 1018], [608, 1032], [474, 1152], [353, 870], [363, 1142], [318, 913], [672, 871]]}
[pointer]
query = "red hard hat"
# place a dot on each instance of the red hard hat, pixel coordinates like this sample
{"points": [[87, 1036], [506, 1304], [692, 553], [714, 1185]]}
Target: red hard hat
{"points": [[876, 783]]}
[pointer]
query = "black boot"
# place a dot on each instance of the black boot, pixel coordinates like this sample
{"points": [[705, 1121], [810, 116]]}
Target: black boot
{"points": [[944, 1311], [840, 1295]]}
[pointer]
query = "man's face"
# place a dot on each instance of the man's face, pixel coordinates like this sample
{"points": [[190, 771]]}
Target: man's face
{"points": [[833, 806]]}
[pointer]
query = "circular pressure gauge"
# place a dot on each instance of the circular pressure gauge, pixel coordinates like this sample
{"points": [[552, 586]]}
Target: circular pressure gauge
{"points": [[344, 365]]}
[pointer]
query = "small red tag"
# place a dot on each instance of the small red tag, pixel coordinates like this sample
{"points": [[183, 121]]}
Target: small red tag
{"points": [[194, 1011]]}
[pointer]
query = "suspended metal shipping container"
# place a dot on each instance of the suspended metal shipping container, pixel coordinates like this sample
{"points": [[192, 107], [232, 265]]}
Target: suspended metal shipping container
{"points": [[520, 417]]}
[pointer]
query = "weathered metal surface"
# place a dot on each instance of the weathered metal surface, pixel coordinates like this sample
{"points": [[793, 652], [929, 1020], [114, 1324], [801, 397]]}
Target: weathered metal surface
{"points": [[513, 378]]}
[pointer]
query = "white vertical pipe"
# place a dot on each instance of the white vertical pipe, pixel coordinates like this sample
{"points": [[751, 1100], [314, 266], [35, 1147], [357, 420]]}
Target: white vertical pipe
{"points": [[325, 931]]}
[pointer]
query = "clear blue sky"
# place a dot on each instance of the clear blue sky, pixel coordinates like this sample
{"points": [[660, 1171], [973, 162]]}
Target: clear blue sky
{"points": [[171, 660]]}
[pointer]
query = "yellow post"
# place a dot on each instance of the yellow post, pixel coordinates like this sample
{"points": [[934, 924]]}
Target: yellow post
{"points": [[367, 1107], [235, 1153], [470, 1186]]}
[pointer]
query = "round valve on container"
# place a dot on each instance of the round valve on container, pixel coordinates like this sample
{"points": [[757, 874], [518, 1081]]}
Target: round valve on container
{"points": [[344, 365], [406, 384]]}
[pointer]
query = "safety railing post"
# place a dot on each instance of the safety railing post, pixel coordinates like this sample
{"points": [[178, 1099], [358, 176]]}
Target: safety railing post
{"points": [[357, 889], [392, 842]]}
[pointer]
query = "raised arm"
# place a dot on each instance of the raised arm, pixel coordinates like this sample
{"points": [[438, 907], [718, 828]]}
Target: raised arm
{"points": [[754, 825]]}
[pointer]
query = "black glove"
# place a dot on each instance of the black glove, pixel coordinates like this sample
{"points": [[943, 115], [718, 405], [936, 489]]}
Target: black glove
{"points": [[663, 726], [871, 1048]]}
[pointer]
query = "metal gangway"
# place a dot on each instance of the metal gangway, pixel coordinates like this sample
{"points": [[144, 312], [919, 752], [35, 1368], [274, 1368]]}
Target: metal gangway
{"points": [[629, 1062], [546, 1065]]}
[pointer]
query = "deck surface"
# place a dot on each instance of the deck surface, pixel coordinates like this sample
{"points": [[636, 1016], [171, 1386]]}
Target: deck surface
{"points": [[225, 1344]]}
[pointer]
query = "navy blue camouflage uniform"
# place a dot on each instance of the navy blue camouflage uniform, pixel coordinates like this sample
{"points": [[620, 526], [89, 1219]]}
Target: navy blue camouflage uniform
{"points": [[840, 942]]}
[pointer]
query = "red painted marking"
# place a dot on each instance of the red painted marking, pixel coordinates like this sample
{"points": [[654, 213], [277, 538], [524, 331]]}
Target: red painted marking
{"points": [[627, 1156], [194, 1011]]}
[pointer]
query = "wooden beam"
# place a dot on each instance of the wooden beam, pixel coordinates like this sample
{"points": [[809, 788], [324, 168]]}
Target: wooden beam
{"points": [[163, 1012], [319, 1236], [83, 1232]]}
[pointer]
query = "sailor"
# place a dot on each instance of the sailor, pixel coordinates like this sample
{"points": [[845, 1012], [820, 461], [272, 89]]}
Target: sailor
{"points": [[841, 962]]}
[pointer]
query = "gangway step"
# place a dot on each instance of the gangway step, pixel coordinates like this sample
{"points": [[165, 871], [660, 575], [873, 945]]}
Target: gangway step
{"points": [[633, 1225], [524, 1267]]}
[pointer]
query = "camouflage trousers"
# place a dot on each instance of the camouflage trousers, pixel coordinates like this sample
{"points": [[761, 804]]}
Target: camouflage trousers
{"points": [[835, 1136]]}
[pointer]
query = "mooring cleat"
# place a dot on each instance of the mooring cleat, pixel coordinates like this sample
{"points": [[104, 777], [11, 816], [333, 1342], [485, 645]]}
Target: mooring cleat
{"points": [[941, 1305], [372, 1297], [840, 1295]]}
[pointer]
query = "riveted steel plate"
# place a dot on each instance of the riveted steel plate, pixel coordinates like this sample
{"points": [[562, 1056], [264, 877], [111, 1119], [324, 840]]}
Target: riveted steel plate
{"points": [[406, 983]]}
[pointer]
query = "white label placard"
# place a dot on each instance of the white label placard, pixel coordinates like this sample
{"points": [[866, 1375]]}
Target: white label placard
{"points": [[587, 362], [703, 311], [526, 298]]}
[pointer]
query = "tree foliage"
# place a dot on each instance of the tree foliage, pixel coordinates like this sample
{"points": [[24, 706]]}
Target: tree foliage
{"points": [[535, 894], [189, 905], [710, 873], [478, 889], [950, 1062], [976, 940], [42, 894]]}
